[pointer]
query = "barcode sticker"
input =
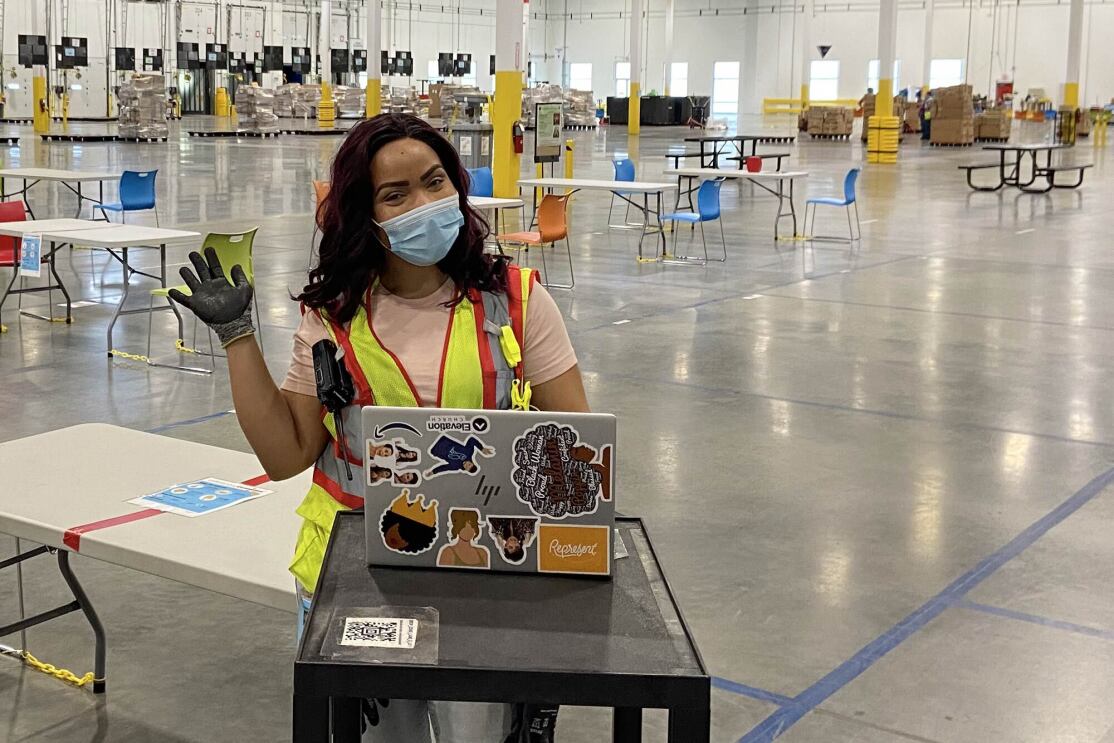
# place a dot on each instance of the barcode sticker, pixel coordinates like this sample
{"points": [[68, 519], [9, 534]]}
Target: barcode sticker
{"points": [[380, 632]]}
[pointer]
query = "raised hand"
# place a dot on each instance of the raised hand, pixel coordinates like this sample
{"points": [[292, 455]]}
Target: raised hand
{"points": [[225, 307]]}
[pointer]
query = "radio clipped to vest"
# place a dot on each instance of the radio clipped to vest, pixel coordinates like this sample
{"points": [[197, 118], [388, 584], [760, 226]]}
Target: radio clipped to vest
{"points": [[334, 389]]}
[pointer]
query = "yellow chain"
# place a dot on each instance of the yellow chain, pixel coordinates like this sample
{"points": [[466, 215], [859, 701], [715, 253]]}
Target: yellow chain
{"points": [[59, 673], [182, 347], [132, 356]]}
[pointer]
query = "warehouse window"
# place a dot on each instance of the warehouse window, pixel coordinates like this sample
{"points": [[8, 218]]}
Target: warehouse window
{"points": [[943, 73], [622, 79], [725, 91], [872, 75], [580, 75], [679, 78], [823, 80]]}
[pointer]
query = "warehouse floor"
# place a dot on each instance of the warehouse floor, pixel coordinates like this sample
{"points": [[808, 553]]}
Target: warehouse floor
{"points": [[877, 477]]}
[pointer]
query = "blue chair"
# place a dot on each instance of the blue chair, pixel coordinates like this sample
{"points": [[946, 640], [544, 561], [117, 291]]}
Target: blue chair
{"points": [[624, 171], [480, 182], [847, 202], [137, 194], [707, 210]]}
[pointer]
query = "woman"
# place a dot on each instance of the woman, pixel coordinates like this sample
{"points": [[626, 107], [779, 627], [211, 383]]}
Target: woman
{"points": [[401, 286], [464, 528]]}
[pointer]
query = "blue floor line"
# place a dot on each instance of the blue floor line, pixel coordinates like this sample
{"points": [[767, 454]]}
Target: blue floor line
{"points": [[853, 667], [750, 691], [1022, 616], [189, 422]]}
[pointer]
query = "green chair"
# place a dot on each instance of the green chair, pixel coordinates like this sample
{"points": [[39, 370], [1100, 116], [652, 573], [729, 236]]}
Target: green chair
{"points": [[232, 249]]}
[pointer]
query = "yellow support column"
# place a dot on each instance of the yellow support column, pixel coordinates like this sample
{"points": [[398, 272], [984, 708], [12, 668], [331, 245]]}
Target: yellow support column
{"points": [[373, 103], [884, 131], [326, 110], [41, 116], [804, 96], [634, 110], [505, 111]]}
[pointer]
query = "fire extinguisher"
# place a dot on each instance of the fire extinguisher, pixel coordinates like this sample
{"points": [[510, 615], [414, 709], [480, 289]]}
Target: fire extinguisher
{"points": [[516, 136]]}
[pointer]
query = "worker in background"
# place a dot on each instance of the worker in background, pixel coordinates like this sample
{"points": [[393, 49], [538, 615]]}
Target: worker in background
{"points": [[867, 98], [928, 108], [401, 258]]}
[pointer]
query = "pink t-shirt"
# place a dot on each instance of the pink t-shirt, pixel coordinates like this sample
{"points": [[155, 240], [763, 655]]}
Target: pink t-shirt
{"points": [[414, 330]]}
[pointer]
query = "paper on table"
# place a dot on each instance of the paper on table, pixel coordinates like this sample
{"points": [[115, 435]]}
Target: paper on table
{"points": [[199, 497], [30, 256]]}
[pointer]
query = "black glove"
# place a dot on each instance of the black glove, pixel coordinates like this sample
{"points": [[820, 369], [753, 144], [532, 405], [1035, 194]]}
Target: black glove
{"points": [[224, 307]]}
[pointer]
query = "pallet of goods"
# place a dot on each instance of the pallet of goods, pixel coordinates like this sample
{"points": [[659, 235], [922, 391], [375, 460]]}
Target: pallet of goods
{"points": [[953, 117], [142, 107], [255, 109], [829, 122], [993, 125]]}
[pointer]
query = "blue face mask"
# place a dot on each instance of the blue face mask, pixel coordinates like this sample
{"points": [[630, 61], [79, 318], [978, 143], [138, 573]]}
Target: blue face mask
{"points": [[423, 236]]}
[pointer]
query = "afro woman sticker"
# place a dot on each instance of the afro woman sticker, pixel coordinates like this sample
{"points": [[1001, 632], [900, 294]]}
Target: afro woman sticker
{"points": [[409, 527], [557, 476]]}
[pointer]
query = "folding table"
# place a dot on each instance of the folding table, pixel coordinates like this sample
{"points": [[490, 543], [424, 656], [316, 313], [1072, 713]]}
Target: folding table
{"points": [[760, 179], [622, 189], [240, 551], [71, 179]]}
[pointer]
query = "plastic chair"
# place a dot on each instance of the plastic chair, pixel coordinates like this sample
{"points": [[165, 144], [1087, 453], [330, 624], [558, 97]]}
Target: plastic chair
{"points": [[11, 211], [481, 182], [320, 191], [624, 171], [707, 210], [552, 226], [233, 249], [848, 202], [137, 194]]}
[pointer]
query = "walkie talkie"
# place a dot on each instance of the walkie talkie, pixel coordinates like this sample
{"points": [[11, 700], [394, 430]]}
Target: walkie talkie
{"points": [[334, 389]]}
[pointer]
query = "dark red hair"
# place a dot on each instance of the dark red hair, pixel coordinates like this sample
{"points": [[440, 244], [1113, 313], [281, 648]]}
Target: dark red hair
{"points": [[351, 254]]}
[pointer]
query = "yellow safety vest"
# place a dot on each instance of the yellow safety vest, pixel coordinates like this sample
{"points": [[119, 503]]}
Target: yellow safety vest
{"points": [[481, 368]]}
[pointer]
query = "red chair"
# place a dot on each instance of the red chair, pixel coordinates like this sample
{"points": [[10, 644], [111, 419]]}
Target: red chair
{"points": [[11, 211]]}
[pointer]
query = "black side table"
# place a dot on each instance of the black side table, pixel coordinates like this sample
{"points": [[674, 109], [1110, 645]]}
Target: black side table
{"points": [[508, 638]]}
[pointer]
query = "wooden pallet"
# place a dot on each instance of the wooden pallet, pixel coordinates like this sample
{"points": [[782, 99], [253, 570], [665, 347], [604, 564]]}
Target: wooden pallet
{"points": [[786, 139], [9, 141], [140, 139], [314, 132], [992, 139], [82, 138], [830, 136], [951, 144], [236, 134], [579, 127]]}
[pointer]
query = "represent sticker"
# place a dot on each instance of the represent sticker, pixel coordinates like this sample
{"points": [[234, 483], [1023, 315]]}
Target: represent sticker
{"points": [[557, 476], [462, 552], [380, 632], [409, 527], [569, 548], [457, 457], [513, 536]]}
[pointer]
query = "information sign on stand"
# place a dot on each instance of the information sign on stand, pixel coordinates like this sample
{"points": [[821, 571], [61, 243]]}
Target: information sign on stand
{"points": [[547, 132], [30, 256]]}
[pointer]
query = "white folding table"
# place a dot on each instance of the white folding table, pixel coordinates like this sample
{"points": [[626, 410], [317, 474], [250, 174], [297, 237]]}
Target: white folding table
{"points": [[624, 190], [71, 179], [122, 237], [760, 178], [80, 506], [39, 226]]}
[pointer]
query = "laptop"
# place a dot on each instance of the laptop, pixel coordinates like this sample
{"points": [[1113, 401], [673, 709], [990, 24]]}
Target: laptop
{"points": [[513, 491]]}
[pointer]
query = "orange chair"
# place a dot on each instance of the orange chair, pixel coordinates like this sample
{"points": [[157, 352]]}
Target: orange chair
{"points": [[552, 226], [11, 211], [320, 191]]}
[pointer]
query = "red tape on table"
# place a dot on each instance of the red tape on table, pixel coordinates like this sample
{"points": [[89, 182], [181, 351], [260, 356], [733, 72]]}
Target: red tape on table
{"points": [[72, 536]]}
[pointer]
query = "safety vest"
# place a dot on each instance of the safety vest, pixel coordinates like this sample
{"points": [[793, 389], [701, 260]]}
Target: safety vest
{"points": [[480, 366]]}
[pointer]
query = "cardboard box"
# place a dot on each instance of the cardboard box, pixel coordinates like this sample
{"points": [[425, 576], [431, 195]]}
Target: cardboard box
{"points": [[946, 131]]}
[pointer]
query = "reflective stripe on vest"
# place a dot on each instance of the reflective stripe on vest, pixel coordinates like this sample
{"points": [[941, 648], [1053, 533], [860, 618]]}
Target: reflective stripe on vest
{"points": [[474, 374]]}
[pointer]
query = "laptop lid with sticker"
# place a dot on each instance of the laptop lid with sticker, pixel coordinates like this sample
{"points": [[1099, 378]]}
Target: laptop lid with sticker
{"points": [[529, 492]]}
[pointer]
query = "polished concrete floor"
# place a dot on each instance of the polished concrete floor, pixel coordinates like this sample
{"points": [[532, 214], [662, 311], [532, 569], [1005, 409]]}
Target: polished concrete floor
{"points": [[877, 476]]}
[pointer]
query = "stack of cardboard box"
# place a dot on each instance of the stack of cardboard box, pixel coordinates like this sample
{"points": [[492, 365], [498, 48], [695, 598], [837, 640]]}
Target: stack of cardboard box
{"points": [[829, 121], [142, 106], [953, 117], [994, 123], [869, 102], [255, 109], [912, 116]]}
